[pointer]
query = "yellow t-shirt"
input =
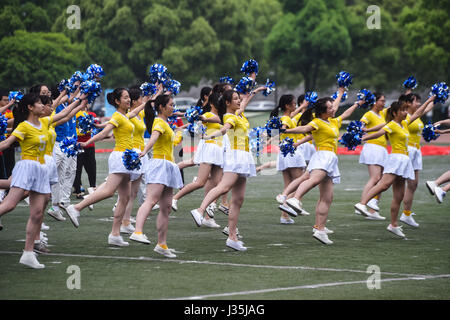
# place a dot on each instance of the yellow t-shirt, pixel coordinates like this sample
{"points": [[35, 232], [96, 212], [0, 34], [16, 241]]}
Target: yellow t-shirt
{"points": [[239, 134], [163, 147], [51, 140], [139, 130], [211, 128], [33, 140], [326, 133], [371, 119], [398, 136], [415, 131], [290, 124], [299, 136], [123, 131]]}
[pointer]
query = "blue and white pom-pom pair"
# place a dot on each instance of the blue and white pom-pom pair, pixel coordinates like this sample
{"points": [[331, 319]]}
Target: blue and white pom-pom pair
{"points": [[3, 127], [344, 79], [410, 83], [441, 91], [85, 124], [148, 89], [131, 160], [367, 96], [70, 147], [353, 137], [193, 113], [17, 95], [196, 129], [250, 66], [274, 123], [92, 88], [311, 97], [429, 132], [287, 147]]}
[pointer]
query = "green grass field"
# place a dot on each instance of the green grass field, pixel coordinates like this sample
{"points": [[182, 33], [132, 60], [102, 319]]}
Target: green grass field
{"points": [[282, 262]]}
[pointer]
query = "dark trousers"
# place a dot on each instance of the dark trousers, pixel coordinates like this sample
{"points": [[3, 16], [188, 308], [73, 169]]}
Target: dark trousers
{"points": [[7, 162], [86, 159]]}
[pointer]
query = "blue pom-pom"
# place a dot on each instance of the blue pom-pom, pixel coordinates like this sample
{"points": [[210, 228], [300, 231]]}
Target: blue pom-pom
{"points": [[3, 127], [85, 124], [158, 73], [148, 89], [441, 91], [95, 71], [352, 138], [344, 79], [256, 139], [270, 86], [429, 132], [245, 85], [287, 147], [131, 160], [226, 79], [274, 123], [172, 86], [15, 95], [249, 67], [63, 85], [70, 146], [367, 96], [343, 98], [91, 88], [193, 113], [312, 98], [196, 129], [410, 83]]}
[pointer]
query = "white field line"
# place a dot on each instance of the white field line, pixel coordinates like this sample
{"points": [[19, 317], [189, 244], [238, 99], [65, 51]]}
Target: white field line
{"points": [[219, 263], [313, 286]]}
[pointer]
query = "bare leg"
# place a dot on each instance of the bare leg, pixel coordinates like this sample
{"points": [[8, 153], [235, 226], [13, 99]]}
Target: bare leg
{"points": [[237, 199], [129, 208], [315, 177], [203, 174], [15, 195], [154, 193], [411, 186], [162, 221], [385, 182], [324, 203], [37, 201], [225, 185], [124, 189], [398, 188]]}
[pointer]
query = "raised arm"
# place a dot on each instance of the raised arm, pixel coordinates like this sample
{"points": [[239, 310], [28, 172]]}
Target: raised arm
{"points": [[6, 107], [58, 100], [347, 113], [301, 109], [66, 111], [74, 111], [337, 101]]}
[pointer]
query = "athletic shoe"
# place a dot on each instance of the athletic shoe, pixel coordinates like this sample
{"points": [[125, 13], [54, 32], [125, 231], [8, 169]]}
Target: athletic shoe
{"points": [[304, 212], [210, 223], [280, 198], [295, 204], [73, 215], [235, 245], [29, 259], [2, 195], [224, 209], [225, 231], [114, 208], [39, 247], [194, 179], [1, 225], [117, 241], [396, 230], [174, 205], [375, 216], [129, 229], [44, 227], [142, 238], [373, 204], [210, 210], [439, 194], [91, 206], [288, 210], [363, 209], [430, 186], [56, 214], [155, 207], [132, 220], [327, 231], [322, 236], [286, 221], [165, 252], [409, 220], [27, 200], [197, 217]]}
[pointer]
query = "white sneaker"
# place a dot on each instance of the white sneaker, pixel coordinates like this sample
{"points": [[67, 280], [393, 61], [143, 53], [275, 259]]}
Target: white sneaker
{"points": [[304, 212], [27, 200], [224, 209], [396, 230], [373, 204], [288, 210], [226, 232], [357, 212], [286, 221], [142, 238], [295, 204], [174, 205], [236, 245], [210, 223], [56, 214], [44, 227], [363, 209], [114, 208], [129, 229], [280, 198], [322, 237], [197, 217], [327, 231], [409, 220], [155, 207], [210, 210], [29, 259], [439, 194], [73, 214], [375, 216], [430, 186], [117, 241], [165, 252], [194, 179]]}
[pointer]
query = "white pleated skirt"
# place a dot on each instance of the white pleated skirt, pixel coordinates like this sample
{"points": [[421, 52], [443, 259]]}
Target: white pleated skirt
{"points": [[295, 160], [50, 165], [115, 164], [31, 175], [416, 157], [161, 171], [373, 154], [307, 150], [400, 165], [209, 153], [240, 162], [327, 161]]}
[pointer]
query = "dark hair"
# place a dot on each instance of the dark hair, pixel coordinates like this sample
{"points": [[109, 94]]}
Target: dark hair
{"points": [[22, 112], [4, 93], [204, 92], [154, 105], [300, 99], [135, 93], [378, 95], [282, 103], [214, 100], [319, 108], [402, 98], [219, 87], [46, 99], [394, 108], [115, 95], [416, 95], [37, 88]]}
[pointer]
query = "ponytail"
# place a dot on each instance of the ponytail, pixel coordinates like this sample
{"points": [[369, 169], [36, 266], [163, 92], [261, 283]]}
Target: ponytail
{"points": [[282, 103], [111, 97], [214, 99], [319, 108], [151, 109]]}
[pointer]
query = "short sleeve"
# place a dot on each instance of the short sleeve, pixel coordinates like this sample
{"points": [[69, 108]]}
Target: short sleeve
{"points": [[230, 120], [158, 126], [387, 128], [338, 121], [285, 121], [19, 132], [114, 121], [313, 124], [365, 119]]}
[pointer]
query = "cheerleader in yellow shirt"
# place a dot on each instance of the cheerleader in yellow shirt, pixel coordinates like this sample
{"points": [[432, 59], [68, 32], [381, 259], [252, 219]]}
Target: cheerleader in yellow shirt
{"points": [[119, 176], [30, 174], [398, 166], [323, 166], [161, 172]]}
